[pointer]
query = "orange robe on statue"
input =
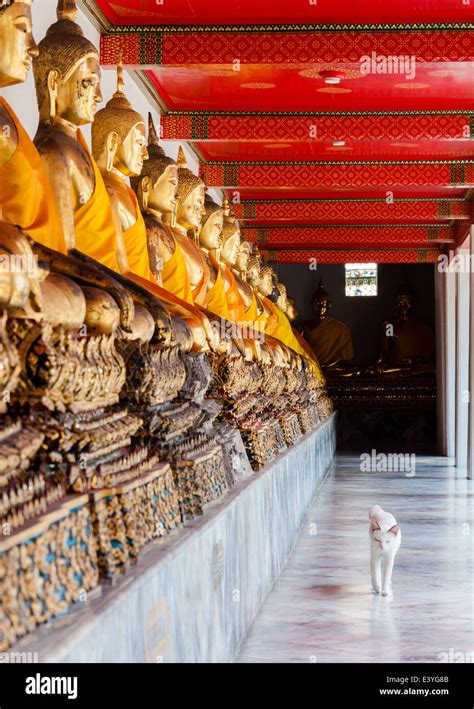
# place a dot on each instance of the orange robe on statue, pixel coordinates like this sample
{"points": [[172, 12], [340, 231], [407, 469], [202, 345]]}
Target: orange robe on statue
{"points": [[216, 295], [94, 221], [136, 245], [282, 330], [175, 275], [26, 198], [251, 314], [234, 299]]}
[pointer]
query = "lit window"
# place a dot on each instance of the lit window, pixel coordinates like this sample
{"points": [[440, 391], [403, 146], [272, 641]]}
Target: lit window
{"points": [[361, 279]]}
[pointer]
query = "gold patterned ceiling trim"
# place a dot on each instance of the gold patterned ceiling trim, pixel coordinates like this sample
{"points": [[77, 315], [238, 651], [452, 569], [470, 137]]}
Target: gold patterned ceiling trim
{"points": [[380, 200], [250, 163], [283, 114], [285, 28], [385, 225]]}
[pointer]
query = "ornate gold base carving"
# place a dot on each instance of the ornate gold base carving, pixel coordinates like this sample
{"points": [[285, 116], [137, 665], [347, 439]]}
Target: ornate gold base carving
{"points": [[66, 371], [126, 518], [45, 568]]}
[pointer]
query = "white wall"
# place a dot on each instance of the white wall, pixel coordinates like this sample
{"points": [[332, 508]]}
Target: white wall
{"points": [[22, 98]]}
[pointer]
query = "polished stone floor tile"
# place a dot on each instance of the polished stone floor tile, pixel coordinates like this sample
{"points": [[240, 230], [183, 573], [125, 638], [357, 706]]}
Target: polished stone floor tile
{"points": [[322, 608]]}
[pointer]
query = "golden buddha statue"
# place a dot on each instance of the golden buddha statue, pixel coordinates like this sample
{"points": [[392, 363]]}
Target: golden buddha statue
{"points": [[231, 240], [240, 270], [119, 147], [210, 241], [67, 78], [189, 215], [329, 338], [25, 194], [407, 344]]}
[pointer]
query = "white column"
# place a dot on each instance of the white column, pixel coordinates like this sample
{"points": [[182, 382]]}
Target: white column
{"points": [[440, 285], [445, 303], [470, 465], [462, 359]]}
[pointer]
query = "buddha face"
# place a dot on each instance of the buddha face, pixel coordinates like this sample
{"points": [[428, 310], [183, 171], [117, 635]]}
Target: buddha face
{"points": [[253, 274], [17, 44], [321, 305], [230, 249], [210, 234], [242, 260], [190, 212], [265, 284], [78, 96], [163, 194], [132, 152]]}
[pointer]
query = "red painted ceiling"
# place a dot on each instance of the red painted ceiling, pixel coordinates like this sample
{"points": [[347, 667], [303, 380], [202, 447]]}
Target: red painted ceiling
{"points": [[261, 112], [270, 88]]}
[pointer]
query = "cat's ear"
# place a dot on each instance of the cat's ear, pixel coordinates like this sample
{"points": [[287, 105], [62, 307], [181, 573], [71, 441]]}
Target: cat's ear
{"points": [[395, 529], [374, 525]]}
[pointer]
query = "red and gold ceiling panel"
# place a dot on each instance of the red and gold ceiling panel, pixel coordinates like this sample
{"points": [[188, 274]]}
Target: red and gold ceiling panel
{"points": [[344, 255], [245, 12], [338, 174], [334, 193], [285, 46], [353, 235], [234, 127], [352, 211]]}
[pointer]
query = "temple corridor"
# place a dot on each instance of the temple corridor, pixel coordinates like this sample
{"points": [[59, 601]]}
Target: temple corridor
{"points": [[322, 608]]}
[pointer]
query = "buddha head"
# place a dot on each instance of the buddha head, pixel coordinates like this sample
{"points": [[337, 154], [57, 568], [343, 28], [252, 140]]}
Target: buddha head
{"points": [[67, 71], [321, 302], [211, 228], [253, 270], [243, 258], [118, 134], [18, 46], [230, 237], [157, 186], [265, 281], [190, 208], [404, 301]]}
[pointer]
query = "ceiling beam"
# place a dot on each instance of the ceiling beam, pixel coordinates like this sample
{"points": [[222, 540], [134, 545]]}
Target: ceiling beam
{"points": [[352, 210], [306, 44], [331, 174], [238, 126], [334, 235], [313, 257]]}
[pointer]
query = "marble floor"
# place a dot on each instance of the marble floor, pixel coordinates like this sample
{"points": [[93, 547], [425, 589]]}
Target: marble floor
{"points": [[322, 608]]}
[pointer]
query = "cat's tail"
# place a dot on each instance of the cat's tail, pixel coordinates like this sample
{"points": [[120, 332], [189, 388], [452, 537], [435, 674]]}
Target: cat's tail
{"points": [[374, 511]]}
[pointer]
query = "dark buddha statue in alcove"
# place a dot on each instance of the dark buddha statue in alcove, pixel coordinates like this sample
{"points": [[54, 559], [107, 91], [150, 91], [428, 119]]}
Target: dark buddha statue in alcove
{"points": [[329, 338], [407, 344]]}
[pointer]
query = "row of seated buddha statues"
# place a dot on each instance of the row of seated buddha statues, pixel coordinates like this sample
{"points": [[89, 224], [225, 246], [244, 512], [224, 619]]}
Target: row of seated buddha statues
{"points": [[406, 346], [146, 356]]}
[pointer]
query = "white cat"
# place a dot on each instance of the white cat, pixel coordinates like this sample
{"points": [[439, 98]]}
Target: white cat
{"points": [[385, 540]]}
